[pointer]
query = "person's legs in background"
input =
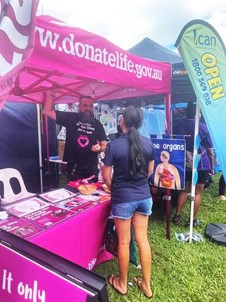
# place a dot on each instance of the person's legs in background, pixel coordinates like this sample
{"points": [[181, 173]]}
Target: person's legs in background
{"points": [[182, 197], [181, 200], [222, 186], [202, 177], [198, 197], [140, 225], [197, 202]]}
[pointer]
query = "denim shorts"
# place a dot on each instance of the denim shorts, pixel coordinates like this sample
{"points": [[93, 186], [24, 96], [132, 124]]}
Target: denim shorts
{"points": [[126, 210]]}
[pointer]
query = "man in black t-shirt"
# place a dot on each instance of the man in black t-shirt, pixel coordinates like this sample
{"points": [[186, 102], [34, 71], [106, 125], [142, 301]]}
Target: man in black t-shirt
{"points": [[85, 137]]}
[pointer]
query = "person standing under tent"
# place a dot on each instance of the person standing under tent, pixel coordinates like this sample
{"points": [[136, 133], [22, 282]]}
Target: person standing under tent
{"points": [[222, 186], [131, 158], [85, 137], [205, 165]]}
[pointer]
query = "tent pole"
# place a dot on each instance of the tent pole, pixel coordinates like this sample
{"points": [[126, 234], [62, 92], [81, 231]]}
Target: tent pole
{"points": [[194, 169], [168, 113], [47, 150], [39, 146], [168, 191], [48, 173]]}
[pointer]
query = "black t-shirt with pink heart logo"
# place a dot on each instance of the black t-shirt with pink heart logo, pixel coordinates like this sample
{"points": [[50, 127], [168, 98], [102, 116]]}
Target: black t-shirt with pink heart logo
{"points": [[80, 137]]}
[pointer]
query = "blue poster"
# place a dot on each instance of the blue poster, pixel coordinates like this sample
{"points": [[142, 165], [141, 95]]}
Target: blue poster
{"points": [[169, 169]]}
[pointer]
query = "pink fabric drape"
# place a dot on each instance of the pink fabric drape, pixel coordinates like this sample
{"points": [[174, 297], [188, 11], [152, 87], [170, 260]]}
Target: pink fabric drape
{"points": [[17, 31]]}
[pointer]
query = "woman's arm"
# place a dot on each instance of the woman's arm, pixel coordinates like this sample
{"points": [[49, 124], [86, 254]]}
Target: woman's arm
{"points": [[107, 171], [151, 167]]}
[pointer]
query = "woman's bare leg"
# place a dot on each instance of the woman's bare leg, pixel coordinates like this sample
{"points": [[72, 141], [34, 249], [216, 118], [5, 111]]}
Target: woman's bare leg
{"points": [[140, 225]]}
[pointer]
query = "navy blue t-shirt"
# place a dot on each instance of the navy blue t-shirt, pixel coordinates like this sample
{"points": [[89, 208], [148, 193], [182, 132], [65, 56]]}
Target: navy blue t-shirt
{"points": [[127, 188]]}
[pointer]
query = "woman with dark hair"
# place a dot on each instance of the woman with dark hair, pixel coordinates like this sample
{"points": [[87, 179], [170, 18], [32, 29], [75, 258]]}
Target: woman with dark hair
{"points": [[130, 158]]}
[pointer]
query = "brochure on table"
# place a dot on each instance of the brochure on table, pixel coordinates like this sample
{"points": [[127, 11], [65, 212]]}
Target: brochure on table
{"points": [[20, 227], [48, 216], [75, 205], [57, 195], [25, 206], [32, 215]]}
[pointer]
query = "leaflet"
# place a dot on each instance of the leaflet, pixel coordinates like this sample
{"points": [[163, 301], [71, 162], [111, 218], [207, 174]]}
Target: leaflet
{"points": [[57, 195], [26, 206]]}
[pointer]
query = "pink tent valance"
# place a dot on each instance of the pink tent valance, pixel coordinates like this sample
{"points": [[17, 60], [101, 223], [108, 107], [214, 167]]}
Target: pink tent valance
{"points": [[82, 63]]}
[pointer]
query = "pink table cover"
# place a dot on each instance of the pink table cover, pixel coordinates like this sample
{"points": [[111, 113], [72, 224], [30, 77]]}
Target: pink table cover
{"points": [[80, 238]]}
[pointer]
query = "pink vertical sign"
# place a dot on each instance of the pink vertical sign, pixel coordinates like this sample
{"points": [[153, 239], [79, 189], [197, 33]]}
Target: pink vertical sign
{"points": [[22, 279]]}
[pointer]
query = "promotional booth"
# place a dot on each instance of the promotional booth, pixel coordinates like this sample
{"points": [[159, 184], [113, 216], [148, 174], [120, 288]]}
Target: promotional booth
{"points": [[78, 63]]}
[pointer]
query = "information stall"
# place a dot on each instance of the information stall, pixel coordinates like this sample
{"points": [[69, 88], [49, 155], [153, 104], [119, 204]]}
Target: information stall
{"points": [[81, 64]]}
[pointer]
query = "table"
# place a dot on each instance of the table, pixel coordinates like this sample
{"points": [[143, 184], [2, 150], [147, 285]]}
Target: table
{"points": [[80, 238]]}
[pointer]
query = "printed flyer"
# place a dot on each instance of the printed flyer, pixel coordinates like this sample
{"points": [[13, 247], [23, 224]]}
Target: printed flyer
{"points": [[19, 227], [26, 206], [79, 207], [48, 216], [57, 195], [80, 201]]}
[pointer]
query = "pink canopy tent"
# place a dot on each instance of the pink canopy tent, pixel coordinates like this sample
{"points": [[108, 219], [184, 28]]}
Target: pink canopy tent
{"points": [[82, 63]]}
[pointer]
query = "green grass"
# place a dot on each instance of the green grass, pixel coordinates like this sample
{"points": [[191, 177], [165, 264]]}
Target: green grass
{"points": [[181, 272]]}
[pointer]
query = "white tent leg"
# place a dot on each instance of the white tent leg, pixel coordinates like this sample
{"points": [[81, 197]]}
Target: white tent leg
{"points": [[40, 146], [194, 170]]}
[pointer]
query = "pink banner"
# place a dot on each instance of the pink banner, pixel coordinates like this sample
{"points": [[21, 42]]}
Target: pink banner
{"points": [[22, 279], [82, 63], [17, 23]]}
